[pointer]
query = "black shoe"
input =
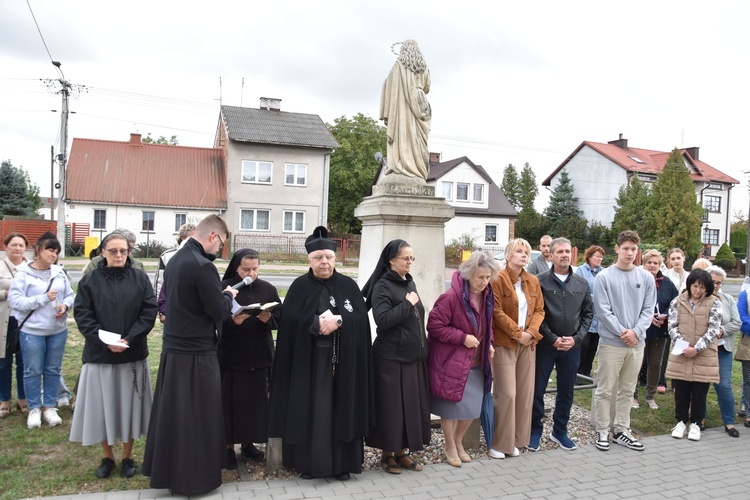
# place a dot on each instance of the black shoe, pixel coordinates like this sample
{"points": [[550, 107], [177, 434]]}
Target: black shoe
{"points": [[250, 451], [732, 432], [231, 459], [344, 476], [127, 469], [741, 413], [306, 476], [105, 469], [702, 425]]}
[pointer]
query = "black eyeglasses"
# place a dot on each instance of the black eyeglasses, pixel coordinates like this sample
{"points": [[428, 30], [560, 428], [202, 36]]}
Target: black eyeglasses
{"points": [[221, 247], [718, 283]]}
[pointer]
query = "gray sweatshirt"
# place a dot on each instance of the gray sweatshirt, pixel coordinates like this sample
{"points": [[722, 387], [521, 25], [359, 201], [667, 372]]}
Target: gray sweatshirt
{"points": [[624, 300]]}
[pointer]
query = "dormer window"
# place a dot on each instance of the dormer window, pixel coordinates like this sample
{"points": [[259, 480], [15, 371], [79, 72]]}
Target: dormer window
{"points": [[478, 193], [637, 160]]}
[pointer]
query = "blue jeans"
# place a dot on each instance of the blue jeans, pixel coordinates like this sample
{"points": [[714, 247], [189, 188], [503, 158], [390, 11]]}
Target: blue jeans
{"points": [[566, 364], [43, 357], [723, 389]]}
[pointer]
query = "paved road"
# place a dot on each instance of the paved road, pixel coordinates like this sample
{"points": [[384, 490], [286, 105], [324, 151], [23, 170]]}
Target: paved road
{"points": [[714, 467]]}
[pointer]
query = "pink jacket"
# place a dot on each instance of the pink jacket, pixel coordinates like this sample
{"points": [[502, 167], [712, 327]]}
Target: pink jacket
{"points": [[451, 319]]}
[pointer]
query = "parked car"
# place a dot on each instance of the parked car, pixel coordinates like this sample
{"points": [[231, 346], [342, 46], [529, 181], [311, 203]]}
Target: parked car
{"points": [[500, 257]]}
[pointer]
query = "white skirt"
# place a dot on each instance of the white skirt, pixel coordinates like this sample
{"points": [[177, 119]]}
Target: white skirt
{"points": [[113, 402]]}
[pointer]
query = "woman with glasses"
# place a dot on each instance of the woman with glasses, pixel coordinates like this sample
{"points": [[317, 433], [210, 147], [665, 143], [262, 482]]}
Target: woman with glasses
{"points": [[593, 256], [730, 324], [114, 389], [402, 392]]}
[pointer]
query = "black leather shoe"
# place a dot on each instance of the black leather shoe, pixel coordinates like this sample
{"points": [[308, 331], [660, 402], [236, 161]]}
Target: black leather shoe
{"points": [[732, 432], [306, 476], [250, 451], [105, 469], [127, 469], [747, 423], [741, 413], [231, 459], [344, 476]]}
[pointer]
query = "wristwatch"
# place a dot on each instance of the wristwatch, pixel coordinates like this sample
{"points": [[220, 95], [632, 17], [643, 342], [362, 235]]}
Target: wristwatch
{"points": [[339, 322]]}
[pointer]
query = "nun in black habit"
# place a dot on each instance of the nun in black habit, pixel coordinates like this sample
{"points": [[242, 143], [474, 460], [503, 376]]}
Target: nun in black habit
{"points": [[245, 352], [321, 387]]}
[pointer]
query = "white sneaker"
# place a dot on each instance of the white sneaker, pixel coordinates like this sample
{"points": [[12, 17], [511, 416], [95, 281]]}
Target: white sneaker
{"points": [[63, 402], [678, 432], [516, 452], [695, 432], [496, 454], [35, 418], [51, 417], [652, 404]]}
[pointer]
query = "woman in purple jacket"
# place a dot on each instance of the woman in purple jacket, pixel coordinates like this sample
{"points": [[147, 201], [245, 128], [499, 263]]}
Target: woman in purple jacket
{"points": [[460, 354]]}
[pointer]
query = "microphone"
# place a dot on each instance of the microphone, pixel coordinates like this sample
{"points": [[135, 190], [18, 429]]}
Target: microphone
{"points": [[245, 282]]}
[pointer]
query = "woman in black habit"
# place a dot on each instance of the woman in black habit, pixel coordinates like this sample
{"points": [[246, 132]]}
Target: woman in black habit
{"points": [[322, 375], [402, 388], [245, 352]]}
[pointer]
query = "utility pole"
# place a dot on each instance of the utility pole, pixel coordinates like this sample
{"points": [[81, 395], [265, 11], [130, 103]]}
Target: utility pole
{"points": [[52, 183]]}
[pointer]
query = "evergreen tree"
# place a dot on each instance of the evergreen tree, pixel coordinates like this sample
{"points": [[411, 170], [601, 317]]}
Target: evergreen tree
{"points": [[531, 225], [673, 212], [511, 186], [563, 203], [18, 196], [630, 208], [529, 189], [353, 168]]}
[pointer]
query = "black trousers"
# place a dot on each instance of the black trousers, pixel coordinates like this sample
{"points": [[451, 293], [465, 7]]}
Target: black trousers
{"points": [[690, 401], [589, 345]]}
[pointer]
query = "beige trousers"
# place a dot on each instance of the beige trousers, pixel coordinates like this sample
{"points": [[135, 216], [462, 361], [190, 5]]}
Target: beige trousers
{"points": [[616, 378], [513, 394]]}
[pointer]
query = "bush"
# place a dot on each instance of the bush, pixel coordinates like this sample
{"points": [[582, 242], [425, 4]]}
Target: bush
{"points": [[152, 250], [725, 259]]}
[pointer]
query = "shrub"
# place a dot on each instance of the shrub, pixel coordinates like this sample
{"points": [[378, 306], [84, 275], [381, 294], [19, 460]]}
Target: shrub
{"points": [[725, 259], [152, 249]]}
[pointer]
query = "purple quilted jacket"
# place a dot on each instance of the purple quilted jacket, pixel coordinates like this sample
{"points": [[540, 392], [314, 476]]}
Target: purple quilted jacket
{"points": [[450, 321]]}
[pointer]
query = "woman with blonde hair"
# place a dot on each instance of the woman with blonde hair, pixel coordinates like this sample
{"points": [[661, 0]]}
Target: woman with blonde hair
{"points": [[517, 316]]}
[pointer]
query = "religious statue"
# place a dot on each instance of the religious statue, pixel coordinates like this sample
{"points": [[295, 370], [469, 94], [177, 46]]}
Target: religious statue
{"points": [[406, 112]]}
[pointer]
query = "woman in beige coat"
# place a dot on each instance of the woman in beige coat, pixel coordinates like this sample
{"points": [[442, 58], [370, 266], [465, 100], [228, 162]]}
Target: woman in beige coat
{"points": [[695, 318]]}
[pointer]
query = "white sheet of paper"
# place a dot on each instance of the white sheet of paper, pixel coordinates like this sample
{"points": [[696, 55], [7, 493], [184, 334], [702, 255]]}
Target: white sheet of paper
{"points": [[111, 338], [679, 346]]}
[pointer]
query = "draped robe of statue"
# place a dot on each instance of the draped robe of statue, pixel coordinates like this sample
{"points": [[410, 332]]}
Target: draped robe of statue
{"points": [[407, 113]]}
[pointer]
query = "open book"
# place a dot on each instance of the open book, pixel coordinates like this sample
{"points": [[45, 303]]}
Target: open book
{"points": [[252, 309]]}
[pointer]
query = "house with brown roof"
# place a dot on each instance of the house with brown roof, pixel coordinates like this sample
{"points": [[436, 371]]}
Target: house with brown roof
{"points": [[598, 171], [481, 208], [151, 189], [277, 166]]}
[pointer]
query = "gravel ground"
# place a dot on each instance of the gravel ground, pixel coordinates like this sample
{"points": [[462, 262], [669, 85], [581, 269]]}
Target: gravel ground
{"points": [[580, 430]]}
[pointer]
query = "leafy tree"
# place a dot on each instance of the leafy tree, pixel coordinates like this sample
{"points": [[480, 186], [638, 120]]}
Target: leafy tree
{"points": [[673, 212], [529, 189], [630, 206], [172, 141], [531, 225], [353, 168], [18, 196], [511, 186], [563, 203]]}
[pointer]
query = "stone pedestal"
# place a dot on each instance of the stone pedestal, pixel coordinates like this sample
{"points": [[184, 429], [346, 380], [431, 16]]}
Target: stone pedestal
{"points": [[406, 209]]}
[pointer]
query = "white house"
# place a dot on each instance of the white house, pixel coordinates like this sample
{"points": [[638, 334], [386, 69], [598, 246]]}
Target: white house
{"points": [[481, 208], [151, 189], [598, 171]]}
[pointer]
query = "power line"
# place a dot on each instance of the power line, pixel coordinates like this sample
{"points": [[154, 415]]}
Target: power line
{"points": [[43, 41]]}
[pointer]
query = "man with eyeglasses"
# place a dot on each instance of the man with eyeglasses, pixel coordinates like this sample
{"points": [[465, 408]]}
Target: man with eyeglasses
{"points": [[321, 402], [185, 448]]}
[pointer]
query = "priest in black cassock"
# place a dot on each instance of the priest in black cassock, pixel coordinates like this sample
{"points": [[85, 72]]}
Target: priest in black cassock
{"points": [[321, 387], [185, 447]]}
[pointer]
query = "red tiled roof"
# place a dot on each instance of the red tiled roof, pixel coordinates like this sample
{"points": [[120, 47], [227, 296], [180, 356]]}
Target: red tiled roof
{"points": [[132, 173], [653, 162]]}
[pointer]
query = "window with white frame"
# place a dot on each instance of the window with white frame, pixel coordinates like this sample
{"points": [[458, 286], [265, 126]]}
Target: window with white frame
{"points": [[100, 219], [256, 172], [448, 190], [255, 220], [712, 203], [478, 193], [179, 220], [462, 191], [711, 236], [294, 222], [490, 233], [148, 221], [296, 175]]}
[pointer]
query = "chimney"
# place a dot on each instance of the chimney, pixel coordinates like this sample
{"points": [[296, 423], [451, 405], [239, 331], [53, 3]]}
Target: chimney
{"points": [[270, 103], [620, 143], [135, 139], [435, 158], [693, 152]]}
